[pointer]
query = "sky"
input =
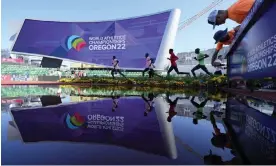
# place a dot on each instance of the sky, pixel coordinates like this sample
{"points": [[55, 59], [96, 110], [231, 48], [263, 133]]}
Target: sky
{"points": [[198, 35]]}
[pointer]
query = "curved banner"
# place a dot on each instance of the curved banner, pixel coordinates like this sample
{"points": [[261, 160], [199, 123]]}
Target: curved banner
{"points": [[255, 56], [99, 121], [95, 42]]}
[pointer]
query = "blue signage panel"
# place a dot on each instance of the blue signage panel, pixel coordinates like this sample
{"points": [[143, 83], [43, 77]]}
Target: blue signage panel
{"points": [[255, 56]]}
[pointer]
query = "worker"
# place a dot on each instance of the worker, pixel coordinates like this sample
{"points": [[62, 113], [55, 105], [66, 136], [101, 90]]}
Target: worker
{"points": [[237, 12], [222, 37]]}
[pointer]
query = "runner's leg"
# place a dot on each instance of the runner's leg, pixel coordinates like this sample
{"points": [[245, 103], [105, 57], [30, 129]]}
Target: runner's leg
{"points": [[145, 70], [112, 73], [119, 71], [194, 69], [177, 71], [170, 70], [203, 67]]}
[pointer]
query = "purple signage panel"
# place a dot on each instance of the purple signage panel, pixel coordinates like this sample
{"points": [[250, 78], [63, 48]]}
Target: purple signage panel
{"points": [[94, 122], [255, 56], [255, 131], [95, 42]]}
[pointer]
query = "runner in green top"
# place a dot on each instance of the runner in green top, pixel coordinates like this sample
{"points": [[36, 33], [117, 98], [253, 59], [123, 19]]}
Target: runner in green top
{"points": [[200, 58]]}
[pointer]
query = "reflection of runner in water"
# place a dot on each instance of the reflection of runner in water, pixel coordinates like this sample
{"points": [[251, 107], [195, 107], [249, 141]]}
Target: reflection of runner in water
{"points": [[274, 111], [115, 101], [199, 113], [172, 104], [220, 140], [149, 103]]}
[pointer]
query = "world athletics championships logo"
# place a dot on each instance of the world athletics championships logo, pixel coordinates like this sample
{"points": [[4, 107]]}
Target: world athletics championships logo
{"points": [[75, 121], [75, 41]]}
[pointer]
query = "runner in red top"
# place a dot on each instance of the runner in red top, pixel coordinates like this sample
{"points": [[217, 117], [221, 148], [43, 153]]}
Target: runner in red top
{"points": [[174, 67]]}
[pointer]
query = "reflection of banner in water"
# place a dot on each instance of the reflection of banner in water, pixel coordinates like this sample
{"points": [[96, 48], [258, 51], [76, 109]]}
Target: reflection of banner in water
{"points": [[264, 107], [48, 124], [253, 128]]}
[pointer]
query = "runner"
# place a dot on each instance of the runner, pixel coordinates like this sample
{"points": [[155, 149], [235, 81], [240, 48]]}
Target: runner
{"points": [[148, 63], [115, 63], [200, 58], [174, 67]]}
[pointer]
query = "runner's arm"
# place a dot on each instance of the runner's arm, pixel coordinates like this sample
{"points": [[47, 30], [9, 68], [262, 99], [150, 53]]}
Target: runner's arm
{"points": [[194, 103], [204, 102]]}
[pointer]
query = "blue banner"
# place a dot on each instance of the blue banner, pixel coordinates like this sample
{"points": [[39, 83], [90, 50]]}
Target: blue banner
{"points": [[95, 42], [255, 56]]}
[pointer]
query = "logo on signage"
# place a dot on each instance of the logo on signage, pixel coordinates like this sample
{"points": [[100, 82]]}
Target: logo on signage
{"points": [[75, 121], [75, 42]]}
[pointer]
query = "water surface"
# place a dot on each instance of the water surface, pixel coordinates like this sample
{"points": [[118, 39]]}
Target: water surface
{"points": [[54, 125]]}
